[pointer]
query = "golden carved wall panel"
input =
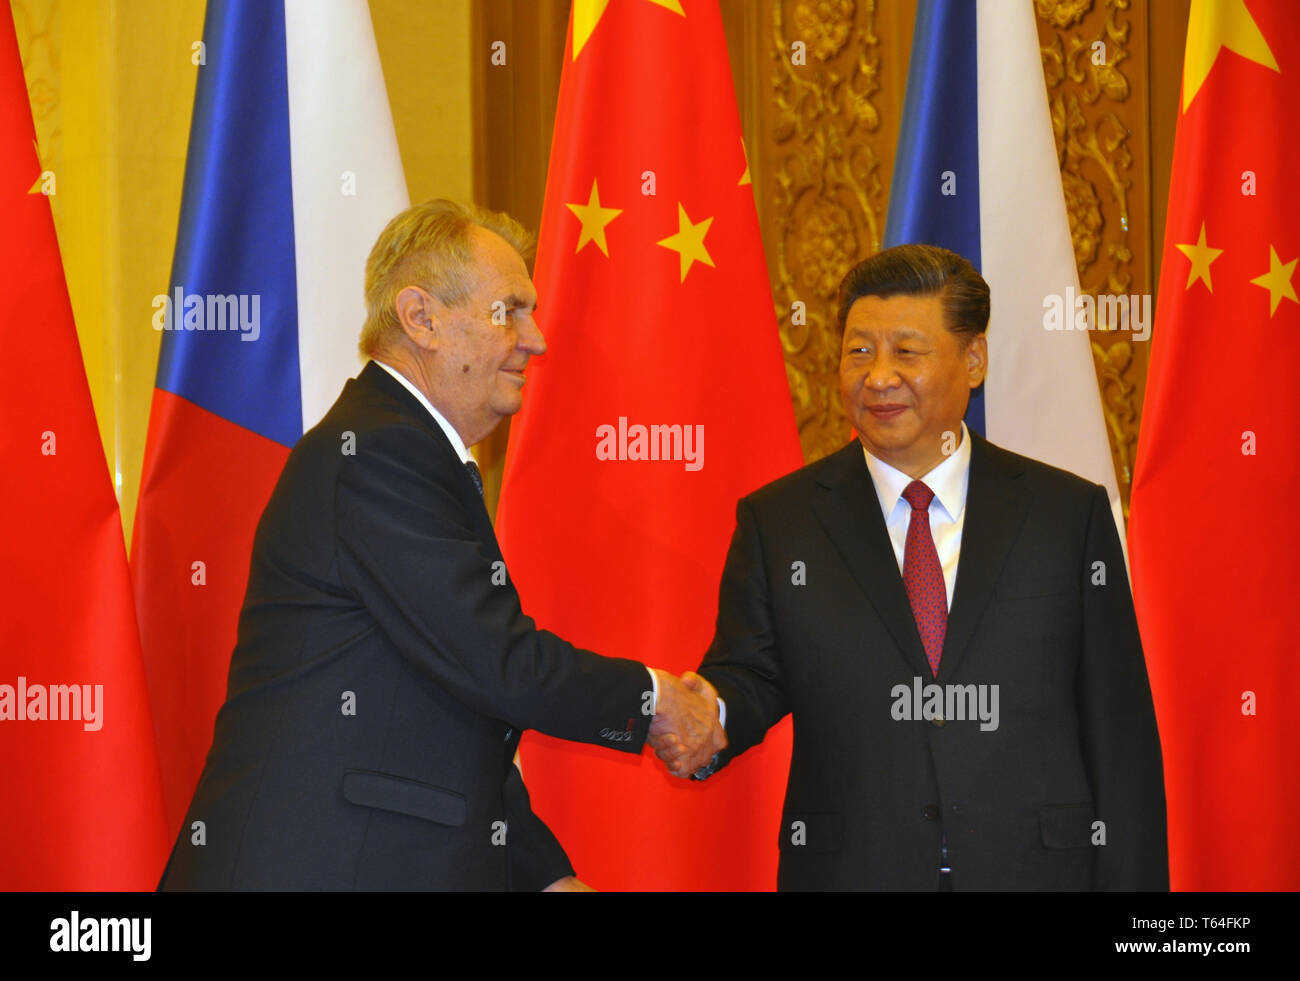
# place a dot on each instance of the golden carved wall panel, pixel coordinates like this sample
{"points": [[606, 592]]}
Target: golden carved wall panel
{"points": [[831, 77], [1094, 64]]}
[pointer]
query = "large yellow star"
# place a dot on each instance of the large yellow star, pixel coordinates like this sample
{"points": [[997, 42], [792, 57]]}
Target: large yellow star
{"points": [[587, 14], [594, 218], [1213, 25], [689, 241], [1277, 280], [1201, 255]]}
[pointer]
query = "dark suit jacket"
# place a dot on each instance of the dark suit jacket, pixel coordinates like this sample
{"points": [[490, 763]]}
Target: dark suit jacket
{"points": [[869, 796], [382, 679]]}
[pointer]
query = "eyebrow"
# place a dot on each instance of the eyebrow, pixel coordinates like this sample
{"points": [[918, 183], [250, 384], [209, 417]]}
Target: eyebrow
{"points": [[907, 333], [515, 300]]}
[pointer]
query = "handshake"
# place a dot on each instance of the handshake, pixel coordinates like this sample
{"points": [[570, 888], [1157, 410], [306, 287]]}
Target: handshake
{"points": [[686, 732]]}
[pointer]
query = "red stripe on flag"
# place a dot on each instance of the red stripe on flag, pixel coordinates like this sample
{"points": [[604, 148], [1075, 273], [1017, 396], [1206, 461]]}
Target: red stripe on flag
{"points": [[206, 482]]}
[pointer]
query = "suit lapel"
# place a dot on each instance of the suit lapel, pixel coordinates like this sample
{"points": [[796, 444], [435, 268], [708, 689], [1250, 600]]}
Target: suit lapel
{"points": [[996, 505], [376, 379], [849, 510]]}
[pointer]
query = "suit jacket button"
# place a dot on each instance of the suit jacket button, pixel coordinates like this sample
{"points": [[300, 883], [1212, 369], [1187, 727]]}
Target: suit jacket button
{"points": [[930, 812]]}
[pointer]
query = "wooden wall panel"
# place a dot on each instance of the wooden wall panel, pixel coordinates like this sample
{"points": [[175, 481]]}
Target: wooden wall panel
{"points": [[514, 113], [821, 89]]}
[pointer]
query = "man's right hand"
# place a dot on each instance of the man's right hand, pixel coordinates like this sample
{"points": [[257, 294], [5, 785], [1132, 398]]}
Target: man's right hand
{"points": [[685, 732]]}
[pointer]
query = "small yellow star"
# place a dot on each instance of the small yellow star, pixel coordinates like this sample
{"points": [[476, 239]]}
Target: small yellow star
{"points": [[744, 178], [674, 5], [1277, 281], [689, 241], [587, 14], [1213, 25], [594, 218], [1201, 255]]}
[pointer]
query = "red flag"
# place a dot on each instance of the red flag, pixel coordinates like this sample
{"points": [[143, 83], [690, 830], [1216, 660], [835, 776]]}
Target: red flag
{"points": [[1211, 533], [78, 763], [655, 303]]}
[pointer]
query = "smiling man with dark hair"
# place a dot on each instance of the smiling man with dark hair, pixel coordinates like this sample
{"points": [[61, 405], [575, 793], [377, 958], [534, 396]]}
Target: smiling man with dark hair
{"points": [[923, 558]]}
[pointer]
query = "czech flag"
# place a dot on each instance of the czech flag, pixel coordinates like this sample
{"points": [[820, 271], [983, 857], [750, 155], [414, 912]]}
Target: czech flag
{"points": [[292, 172], [976, 171]]}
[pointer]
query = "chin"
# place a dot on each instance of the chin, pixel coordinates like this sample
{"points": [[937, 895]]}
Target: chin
{"points": [[508, 405]]}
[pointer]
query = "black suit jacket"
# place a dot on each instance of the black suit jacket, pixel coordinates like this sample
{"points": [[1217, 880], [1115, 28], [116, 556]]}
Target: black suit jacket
{"points": [[871, 797], [383, 675]]}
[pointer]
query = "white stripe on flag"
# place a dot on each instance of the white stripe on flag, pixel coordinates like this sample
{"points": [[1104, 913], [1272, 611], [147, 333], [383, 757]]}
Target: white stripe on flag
{"points": [[339, 123], [1041, 396]]}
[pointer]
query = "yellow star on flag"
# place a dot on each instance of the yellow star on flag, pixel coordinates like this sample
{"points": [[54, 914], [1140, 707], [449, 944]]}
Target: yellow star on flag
{"points": [[1201, 255], [689, 241], [594, 218], [1277, 280], [587, 14], [1213, 25], [674, 5], [744, 178]]}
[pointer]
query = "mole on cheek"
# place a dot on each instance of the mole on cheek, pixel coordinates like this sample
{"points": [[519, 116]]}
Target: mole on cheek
{"points": [[464, 369]]}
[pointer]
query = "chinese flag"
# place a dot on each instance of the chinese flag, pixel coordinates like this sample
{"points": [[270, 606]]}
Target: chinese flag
{"points": [[657, 310], [78, 764], [1212, 533]]}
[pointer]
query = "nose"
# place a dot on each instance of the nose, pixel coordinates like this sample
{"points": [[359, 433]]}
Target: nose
{"points": [[530, 336], [882, 374]]}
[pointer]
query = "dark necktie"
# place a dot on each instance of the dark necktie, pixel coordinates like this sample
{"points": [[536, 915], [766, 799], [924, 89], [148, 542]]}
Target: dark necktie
{"points": [[923, 575], [474, 475]]}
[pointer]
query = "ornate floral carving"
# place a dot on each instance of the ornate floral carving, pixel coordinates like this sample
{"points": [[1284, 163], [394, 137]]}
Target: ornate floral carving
{"points": [[1062, 13], [825, 192], [1087, 93], [826, 22]]}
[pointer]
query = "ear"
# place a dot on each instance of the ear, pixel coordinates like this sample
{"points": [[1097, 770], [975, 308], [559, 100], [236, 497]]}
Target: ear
{"points": [[421, 315], [977, 359]]}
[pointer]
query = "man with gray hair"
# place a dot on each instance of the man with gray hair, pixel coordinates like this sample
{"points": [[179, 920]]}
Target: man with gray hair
{"points": [[384, 670]]}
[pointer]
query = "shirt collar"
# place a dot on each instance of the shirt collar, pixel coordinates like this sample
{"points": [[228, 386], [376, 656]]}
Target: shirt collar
{"points": [[948, 480], [448, 429]]}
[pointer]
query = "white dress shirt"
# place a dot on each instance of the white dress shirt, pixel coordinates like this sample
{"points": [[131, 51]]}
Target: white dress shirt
{"points": [[949, 481], [457, 443]]}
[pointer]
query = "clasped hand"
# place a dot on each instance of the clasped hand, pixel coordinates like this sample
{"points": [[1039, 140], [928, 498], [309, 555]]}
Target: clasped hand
{"points": [[685, 732]]}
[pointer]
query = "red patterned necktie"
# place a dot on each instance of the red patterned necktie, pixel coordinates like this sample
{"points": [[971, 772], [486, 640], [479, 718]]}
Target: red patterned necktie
{"points": [[923, 575]]}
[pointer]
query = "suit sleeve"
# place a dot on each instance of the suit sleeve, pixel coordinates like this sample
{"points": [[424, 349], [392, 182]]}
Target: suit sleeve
{"points": [[407, 549], [1121, 747], [536, 856], [744, 661]]}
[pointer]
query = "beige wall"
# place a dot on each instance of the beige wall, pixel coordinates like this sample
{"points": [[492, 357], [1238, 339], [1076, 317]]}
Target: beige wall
{"points": [[425, 51]]}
